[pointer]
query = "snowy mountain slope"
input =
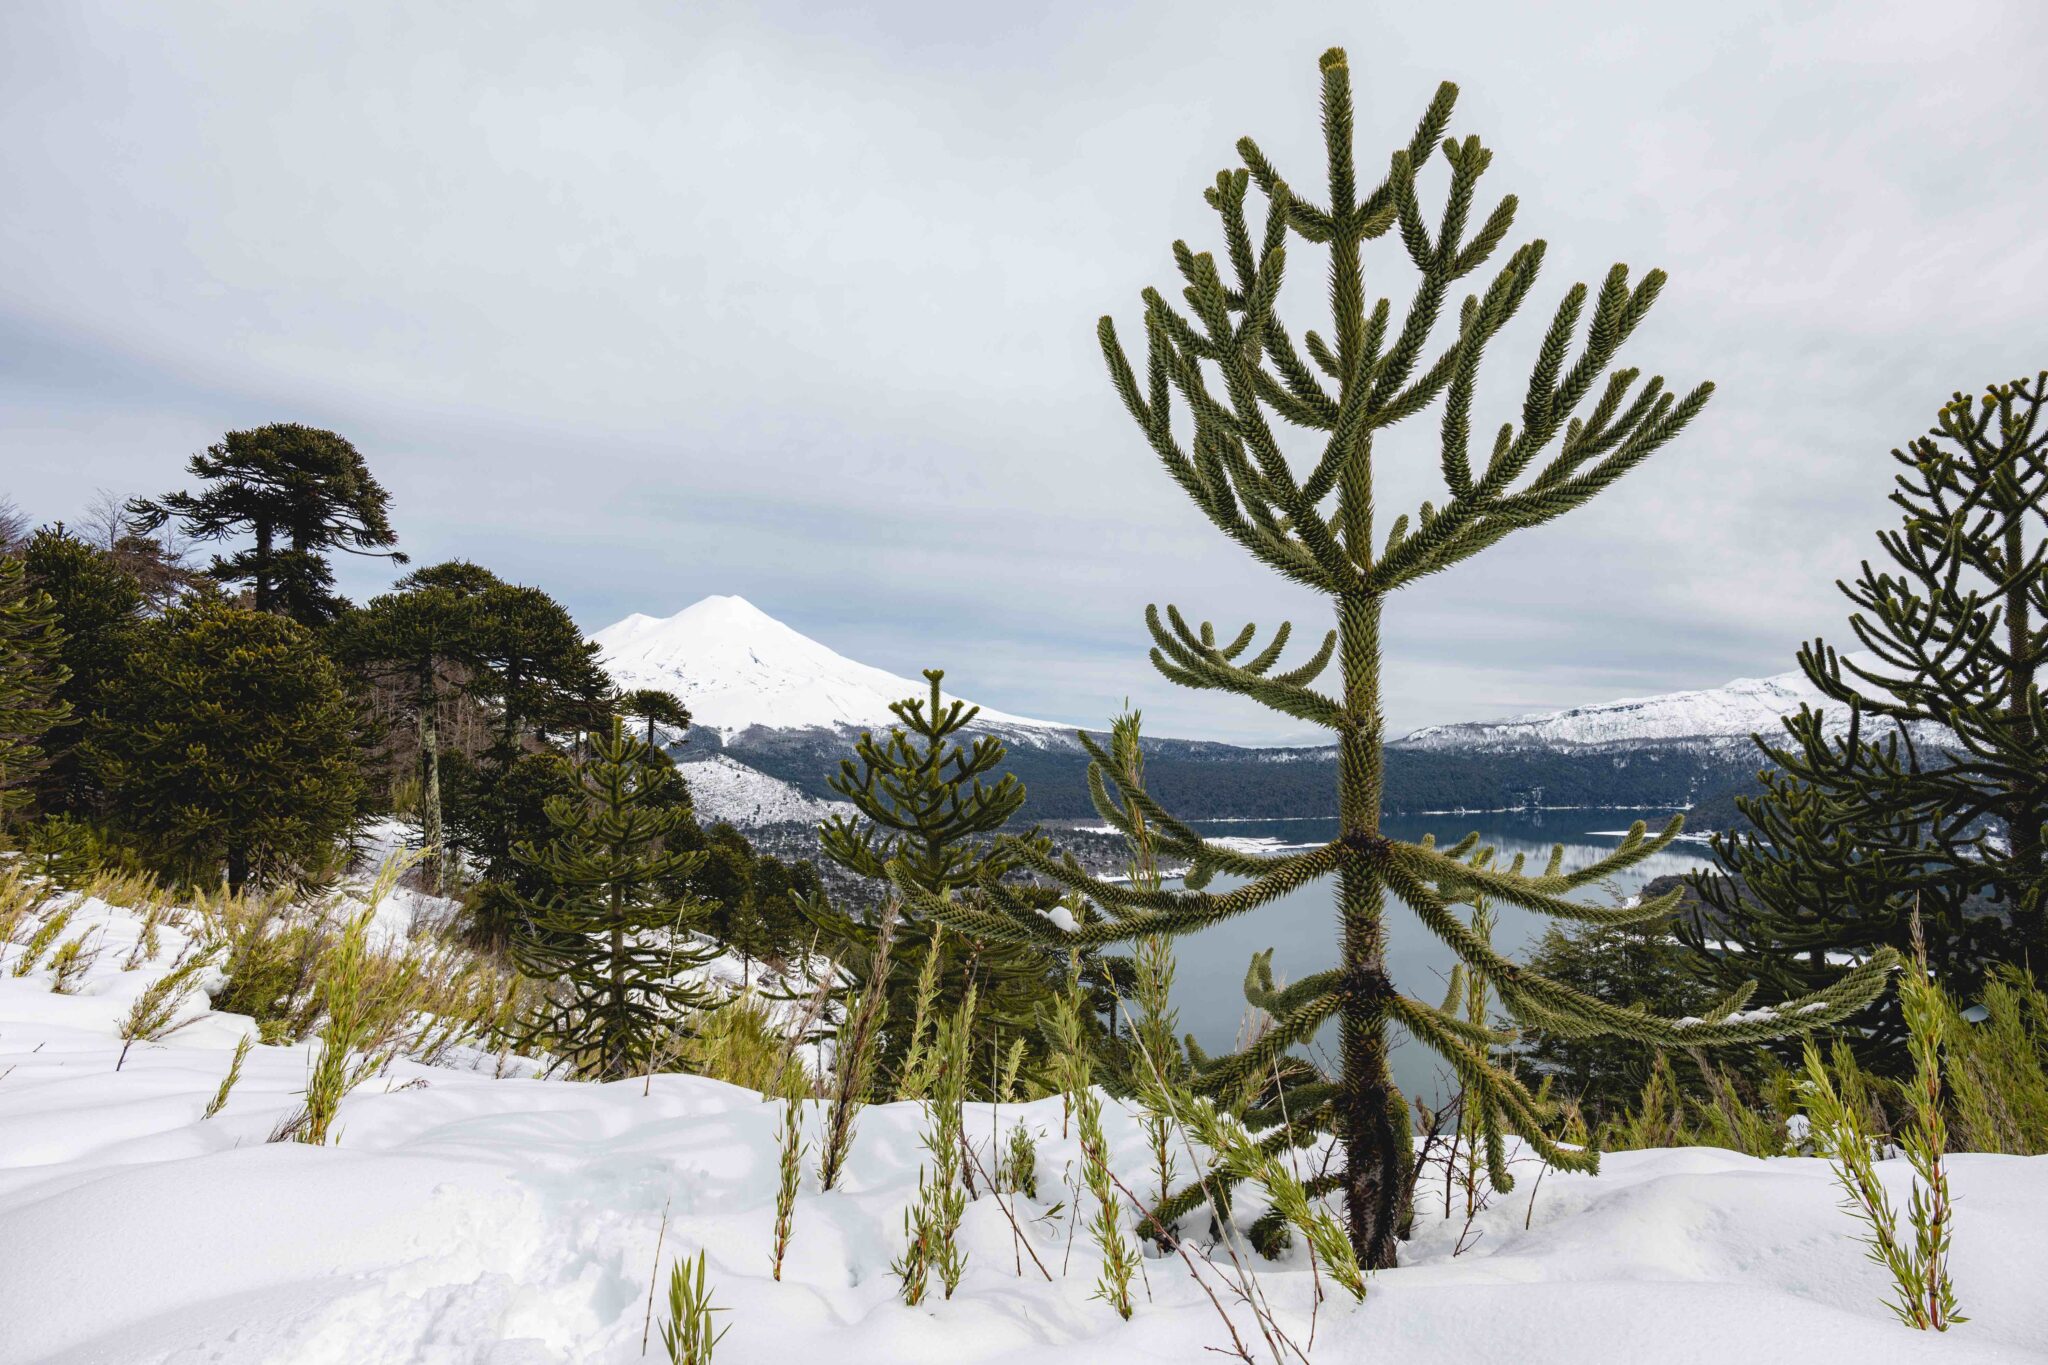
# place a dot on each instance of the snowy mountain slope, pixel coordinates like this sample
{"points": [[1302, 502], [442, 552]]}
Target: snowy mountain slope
{"points": [[1729, 713], [738, 668], [726, 789]]}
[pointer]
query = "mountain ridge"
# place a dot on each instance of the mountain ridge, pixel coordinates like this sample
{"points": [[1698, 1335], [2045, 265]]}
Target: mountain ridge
{"points": [[770, 703]]}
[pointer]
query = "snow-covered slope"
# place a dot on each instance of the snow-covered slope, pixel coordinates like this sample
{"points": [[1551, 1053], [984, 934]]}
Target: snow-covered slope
{"points": [[724, 788], [1734, 711], [467, 1219], [736, 667]]}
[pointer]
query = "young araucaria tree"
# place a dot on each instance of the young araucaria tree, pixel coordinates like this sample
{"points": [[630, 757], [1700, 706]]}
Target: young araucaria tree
{"points": [[1931, 801], [928, 807], [1238, 372], [614, 945]]}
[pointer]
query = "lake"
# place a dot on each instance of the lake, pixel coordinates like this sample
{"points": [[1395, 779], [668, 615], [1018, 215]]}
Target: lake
{"points": [[1301, 927]]}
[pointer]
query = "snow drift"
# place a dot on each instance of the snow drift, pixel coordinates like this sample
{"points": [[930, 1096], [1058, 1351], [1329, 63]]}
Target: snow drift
{"points": [[467, 1218]]}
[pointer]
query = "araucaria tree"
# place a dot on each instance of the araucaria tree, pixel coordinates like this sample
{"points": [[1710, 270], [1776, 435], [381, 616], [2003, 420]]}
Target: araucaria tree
{"points": [[420, 641], [297, 492], [928, 810], [1933, 796], [228, 745], [1240, 374], [32, 679], [614, 947]]}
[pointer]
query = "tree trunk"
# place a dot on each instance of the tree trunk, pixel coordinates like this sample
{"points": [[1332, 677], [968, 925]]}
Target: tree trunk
{"points": [[238, 867], [430, 783], [263, 558], [1372, 1114], [2024, 810], [618, 1034]]}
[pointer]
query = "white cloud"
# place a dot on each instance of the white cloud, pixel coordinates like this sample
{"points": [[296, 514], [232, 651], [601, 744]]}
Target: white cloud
{"points": [[647, 302]]}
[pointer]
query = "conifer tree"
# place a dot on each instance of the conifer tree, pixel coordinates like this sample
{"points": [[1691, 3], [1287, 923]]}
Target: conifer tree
{"points": [[654, 707], [614, 946], [228, 744], [1936, 796], [32, 679], [534, 665], [496, 808], [928, 807], [99, 608], [1239, 372], [298, 492], [423, 639]]}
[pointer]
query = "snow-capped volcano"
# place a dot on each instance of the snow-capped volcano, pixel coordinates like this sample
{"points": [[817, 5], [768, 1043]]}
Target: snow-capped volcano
{"points": [[737, 668], [1733, 711]]}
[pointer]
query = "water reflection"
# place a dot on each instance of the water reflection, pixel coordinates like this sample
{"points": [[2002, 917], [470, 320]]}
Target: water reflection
{"points": [[1301, 927]]}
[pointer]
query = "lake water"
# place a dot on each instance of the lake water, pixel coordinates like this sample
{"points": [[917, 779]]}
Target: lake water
{"points": [[1301, 927]]}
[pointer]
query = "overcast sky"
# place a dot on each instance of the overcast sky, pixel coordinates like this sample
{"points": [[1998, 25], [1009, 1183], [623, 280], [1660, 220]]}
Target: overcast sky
{"points": [[641, 302]]}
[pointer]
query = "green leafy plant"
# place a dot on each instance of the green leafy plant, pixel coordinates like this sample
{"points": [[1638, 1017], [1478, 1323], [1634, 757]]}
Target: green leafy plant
{"points": [[227, 1084], [366, 997], [46, 933], [154, 1015], [687, 1333], [1924, 1295], [789, 1160], [1120, 1259], [1018, 1171], [71, 961], [932, 1224], [853, 1068]]}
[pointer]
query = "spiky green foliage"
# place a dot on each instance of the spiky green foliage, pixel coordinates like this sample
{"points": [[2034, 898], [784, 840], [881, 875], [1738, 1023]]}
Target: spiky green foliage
{"points": [[227, 1082], [687, 1333], [932, 1224], [1632, 964], [1155, 1024], [366, 993], [1924, 1295], [1241, 375], [1935, 798], [927, 807], [615, 947], [297, 493], [856, 1053], [1998, 1068], [228, 745], [45, 934], [533, 665], [154, 1014], [32, 678], [790, 1150], [99, 608], [652, 706], [422, 642]]}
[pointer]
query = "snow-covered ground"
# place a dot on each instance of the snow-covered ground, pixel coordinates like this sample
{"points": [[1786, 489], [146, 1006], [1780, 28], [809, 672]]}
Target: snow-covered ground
{"points": [[723, 788], [465, 1218], [1730, 713]]}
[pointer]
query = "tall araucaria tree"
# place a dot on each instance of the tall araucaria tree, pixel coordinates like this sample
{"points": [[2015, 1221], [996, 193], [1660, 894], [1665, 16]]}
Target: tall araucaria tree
{"points": [[1934, 793], [298, 493], [1238, 371]]}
